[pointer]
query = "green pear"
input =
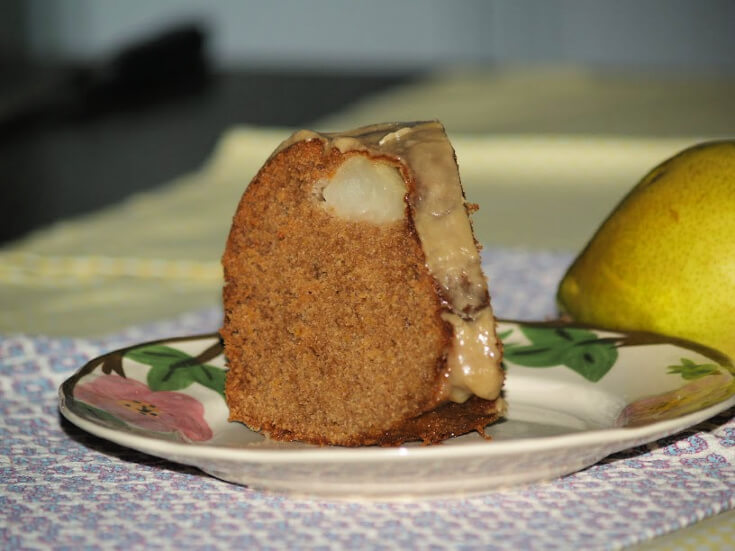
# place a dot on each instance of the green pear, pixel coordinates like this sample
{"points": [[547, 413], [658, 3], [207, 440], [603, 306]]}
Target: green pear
{"points": [[664, 259]]}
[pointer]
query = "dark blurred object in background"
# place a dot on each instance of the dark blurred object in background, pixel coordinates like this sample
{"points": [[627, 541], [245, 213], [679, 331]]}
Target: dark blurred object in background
{"points": [[73, 139], [156, 69]]}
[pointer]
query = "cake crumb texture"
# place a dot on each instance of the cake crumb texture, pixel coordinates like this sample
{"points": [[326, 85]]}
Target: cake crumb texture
{"points": [[327, 333], [333, 330]]}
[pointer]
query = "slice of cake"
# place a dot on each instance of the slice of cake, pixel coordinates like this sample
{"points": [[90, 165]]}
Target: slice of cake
{"points": [[356, 310]]}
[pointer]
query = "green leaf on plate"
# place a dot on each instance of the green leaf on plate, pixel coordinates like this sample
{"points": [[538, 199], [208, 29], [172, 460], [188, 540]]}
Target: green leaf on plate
{"points": [[578, 349], [505, 334], [591, 360], [165, 377], [172, 369], [690, 370], [534, 355], [211, 377]]}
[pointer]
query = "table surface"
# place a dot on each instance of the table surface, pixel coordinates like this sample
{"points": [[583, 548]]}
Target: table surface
{"points": [[572, 152]]}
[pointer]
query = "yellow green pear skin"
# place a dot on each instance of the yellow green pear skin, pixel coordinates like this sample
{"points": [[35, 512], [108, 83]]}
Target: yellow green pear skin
{"points": [[664, 259]]}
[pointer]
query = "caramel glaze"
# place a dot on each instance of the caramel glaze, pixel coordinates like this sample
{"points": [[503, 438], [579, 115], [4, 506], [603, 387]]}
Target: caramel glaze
{"points": [[437, 207]]}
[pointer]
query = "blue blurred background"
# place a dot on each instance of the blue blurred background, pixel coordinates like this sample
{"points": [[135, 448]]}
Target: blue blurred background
{"points": [[390, 35]]}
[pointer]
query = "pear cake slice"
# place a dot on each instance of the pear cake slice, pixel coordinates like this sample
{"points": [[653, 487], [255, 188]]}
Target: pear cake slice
{"points": [[356, 310]]}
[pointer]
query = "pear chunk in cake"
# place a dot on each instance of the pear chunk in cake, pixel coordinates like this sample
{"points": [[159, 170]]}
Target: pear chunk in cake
{"points": [[364, 190], [356, 310]]}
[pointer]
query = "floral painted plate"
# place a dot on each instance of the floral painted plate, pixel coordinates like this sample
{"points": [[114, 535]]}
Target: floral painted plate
{"points": [[575, 395]]}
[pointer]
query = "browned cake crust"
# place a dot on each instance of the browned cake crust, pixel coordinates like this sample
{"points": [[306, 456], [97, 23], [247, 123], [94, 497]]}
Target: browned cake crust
{"points": [[448, 420], [333, 329]]}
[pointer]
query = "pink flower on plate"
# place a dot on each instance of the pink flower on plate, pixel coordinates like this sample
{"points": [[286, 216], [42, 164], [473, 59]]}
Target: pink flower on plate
{"points": [[134, 402]]}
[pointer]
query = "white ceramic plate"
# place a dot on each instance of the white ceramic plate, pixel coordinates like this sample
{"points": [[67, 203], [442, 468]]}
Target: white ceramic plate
{"points": [[575, 396]]}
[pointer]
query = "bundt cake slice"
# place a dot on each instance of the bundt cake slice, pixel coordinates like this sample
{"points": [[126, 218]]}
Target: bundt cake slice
{"points": [[356, 310]]}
